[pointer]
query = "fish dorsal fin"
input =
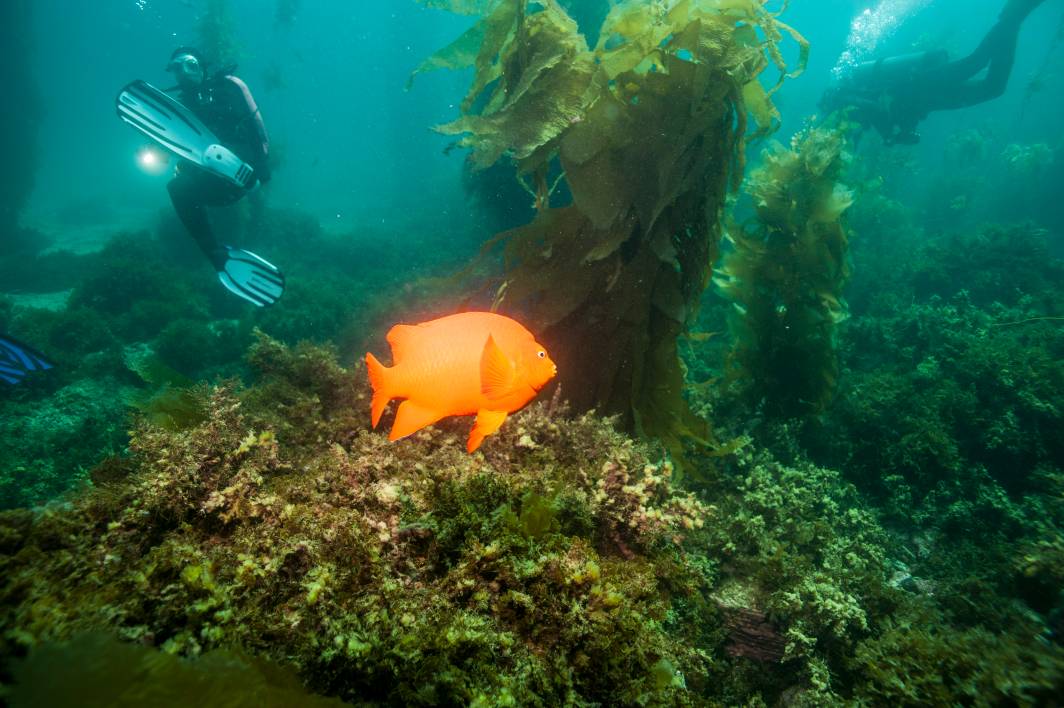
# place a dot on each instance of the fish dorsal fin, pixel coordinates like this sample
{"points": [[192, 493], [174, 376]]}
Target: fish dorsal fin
{"points": [[400, 338], [497, 372]]}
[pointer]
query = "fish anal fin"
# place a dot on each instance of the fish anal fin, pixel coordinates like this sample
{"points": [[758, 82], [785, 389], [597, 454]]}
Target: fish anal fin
{"points": [[497, 372], [399, 339], [412, 417], [487, 423]]}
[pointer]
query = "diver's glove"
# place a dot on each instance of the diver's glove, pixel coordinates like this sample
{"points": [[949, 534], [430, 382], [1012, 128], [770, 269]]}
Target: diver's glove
{"points": [[251, 277]]}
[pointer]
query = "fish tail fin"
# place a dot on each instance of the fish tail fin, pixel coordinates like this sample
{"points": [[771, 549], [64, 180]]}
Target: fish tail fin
{"points": [[378, 379]]}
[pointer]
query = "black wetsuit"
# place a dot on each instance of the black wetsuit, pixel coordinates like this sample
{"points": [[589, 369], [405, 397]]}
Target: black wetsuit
{"points": [[893, 95], [226, 107]]}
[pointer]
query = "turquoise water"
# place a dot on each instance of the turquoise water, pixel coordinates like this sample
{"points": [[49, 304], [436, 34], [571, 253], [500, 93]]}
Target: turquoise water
{"points": [[824, 459]]}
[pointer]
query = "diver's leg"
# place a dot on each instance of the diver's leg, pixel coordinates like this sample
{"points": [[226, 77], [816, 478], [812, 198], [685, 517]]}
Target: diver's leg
{"points": [[1016, 11], [1000, 46], [191, 194], [996, 53]]}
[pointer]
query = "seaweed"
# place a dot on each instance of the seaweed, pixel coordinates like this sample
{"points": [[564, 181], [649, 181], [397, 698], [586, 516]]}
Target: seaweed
{"points": [[170, 401], [542, 571], [95, 669], [785, 273], [971, 666], [563, 564], [648, 129], [216, 34]]}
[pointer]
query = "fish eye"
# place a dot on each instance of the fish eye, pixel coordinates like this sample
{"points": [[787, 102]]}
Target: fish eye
{"points": [[541, 354]]}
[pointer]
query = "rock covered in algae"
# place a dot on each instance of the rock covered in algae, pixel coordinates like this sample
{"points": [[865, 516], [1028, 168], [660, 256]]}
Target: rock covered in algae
{"points": [[559, 565], [551, 567]]}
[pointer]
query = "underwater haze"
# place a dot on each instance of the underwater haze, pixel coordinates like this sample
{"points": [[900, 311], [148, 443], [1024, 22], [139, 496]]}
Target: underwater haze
{"points": [[532, 352]]}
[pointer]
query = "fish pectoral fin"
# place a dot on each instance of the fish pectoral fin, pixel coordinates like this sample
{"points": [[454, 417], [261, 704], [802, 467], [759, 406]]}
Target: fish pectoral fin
{"points": [[487, 423], [497, 372], [411, 418]]}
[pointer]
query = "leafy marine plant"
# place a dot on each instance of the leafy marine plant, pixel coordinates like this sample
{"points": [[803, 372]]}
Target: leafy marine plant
{"points": [[647, 130], [785, 274], [170, 400]]}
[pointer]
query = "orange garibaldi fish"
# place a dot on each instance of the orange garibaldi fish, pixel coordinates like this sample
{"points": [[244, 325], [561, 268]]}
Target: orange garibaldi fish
{"points": [[472, 362]]}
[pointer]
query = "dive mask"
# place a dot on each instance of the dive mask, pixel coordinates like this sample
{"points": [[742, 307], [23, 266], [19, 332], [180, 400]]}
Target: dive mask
{"points": [[187, 68]]}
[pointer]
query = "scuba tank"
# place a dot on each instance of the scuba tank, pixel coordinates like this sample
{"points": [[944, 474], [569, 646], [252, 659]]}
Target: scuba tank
{"points": [[897, 69]]}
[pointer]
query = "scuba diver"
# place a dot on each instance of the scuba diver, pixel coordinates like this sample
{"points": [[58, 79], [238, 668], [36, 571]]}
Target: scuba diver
{"points": [[218, 133], [894, 94], [18, 359]]}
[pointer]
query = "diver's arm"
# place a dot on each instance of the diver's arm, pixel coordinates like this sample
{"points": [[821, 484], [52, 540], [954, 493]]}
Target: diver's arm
{"points": [[250, 129]]}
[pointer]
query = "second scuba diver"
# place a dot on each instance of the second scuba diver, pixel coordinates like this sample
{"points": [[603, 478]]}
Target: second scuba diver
{"points": [[894, 94], [217, 131]]}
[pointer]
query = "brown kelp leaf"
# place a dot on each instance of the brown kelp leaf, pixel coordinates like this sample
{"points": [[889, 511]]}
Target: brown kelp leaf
{"points": [[760, 106], [499, 28], [547, 73], [460, 54], [631, 36], [556, 278]]}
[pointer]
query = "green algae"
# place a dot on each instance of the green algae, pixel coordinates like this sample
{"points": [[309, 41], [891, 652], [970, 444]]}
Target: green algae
{"points": [[785, 275], [927, 568], [560, 564], [96, 670], [144, 321], [412, 573], [84, 420]]}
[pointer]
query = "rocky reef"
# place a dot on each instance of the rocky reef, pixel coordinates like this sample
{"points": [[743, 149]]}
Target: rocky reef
{"points": [[562, 564], [407, 572]]}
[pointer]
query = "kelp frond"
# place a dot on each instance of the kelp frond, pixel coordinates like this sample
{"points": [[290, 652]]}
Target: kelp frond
{"points": [[786, 272], [648, 129]]}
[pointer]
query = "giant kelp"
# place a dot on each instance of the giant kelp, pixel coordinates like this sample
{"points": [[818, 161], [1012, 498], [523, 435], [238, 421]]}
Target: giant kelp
{"points": [[785, 275], [216, 33], [648, 131]]}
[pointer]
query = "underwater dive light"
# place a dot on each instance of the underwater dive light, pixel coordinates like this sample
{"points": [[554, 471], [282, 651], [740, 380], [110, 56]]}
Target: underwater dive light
{"points": [[153, 160]]}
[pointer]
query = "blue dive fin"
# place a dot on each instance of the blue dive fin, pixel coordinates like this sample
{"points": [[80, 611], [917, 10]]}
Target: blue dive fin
{"points": [[18, 359], [251, 277]]}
